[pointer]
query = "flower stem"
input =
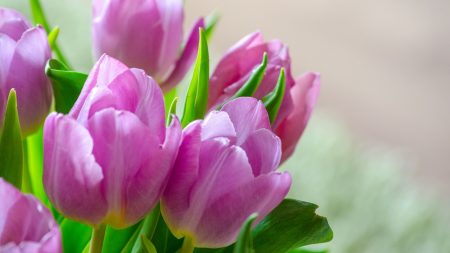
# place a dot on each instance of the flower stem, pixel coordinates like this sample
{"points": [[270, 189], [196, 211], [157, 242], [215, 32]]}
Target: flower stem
{"points": [[188, 245], [98, 234]]}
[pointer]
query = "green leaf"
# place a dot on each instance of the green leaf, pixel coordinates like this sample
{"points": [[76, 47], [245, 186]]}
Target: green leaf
{"points": [[211, 23], [66, 84], [303, 250], [131, 242], [172, 111], [168, 97], [75, 236], [117, 239], [244, 243], [148, 228], [197, 96], [164, 240], [34, 165], [291, 225], [52, 36], [11, 149], [252, 84], [274, 99], [148, 245]]}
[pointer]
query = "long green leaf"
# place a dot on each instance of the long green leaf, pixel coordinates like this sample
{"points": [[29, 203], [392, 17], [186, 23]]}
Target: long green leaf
{"points": [[244, 243], [34, 165], [211, 24], [148, 229], [149, 247], [117, 239], [66, 84], [75, 236], [291, 225], [197, 96], [274, 99], [11, 149]]}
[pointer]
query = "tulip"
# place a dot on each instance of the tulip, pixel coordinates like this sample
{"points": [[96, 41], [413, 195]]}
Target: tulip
{"points": [[24, 51], [235, 68], [108, 160], [224, 172], [146, 34], [25, 224]]}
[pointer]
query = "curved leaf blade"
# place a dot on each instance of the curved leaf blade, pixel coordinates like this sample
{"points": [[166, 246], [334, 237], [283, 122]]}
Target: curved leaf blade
{"points": [[291, 225]]}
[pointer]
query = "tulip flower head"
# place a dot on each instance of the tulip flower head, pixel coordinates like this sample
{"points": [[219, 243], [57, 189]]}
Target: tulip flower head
{"points": [[25, 224], [108, 161], [235, 68], [224, 172], [24, 51], [146, 34]]}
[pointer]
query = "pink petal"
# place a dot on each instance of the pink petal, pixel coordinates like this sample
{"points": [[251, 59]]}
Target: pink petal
{"points": [[304, 95], [103, 73], [263, 149], [25, 224], [135, 166], [72, 178], [223, 218], [217, 124], [27, 75], [234, 66], [186, 59], [13, 23], [6, 54], [247, 115]]}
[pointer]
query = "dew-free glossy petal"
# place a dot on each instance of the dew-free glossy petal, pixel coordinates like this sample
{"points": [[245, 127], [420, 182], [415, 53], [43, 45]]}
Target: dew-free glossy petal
{"points": [[72, 177]]}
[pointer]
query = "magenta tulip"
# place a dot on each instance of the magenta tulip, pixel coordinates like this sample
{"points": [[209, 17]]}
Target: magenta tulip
{"points": [[26, 226], [225, 171], [236, 67], [146, 34], [108, 161], [24, 51]]}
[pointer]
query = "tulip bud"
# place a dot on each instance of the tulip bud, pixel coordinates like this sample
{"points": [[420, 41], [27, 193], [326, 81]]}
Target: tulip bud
{"points": [[25, 224], [224, 172], [146, 34], [108, 161], [24, 51], [236, 67]]}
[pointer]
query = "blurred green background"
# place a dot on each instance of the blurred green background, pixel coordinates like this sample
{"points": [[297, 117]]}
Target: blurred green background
{"points": [[375, 156]]}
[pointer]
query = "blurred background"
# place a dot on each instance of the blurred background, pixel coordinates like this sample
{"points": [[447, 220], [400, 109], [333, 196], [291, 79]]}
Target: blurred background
{"points": [[376, 155]]}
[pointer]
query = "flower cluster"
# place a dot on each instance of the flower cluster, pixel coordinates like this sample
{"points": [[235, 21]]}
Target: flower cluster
{"points": [[119, 155]]}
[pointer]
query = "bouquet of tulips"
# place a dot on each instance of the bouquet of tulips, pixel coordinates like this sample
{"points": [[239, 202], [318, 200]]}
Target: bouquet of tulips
{"points": [[102, 162]]}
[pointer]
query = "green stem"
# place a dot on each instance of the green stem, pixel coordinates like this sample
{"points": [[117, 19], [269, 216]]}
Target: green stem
{"points": [[188, 245], [98, 235]]}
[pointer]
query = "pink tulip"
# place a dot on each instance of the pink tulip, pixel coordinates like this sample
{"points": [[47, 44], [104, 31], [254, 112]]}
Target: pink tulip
{"points": [[225, 171], [24, 51], [146, 34], [236, 67], [109, 160], [26, 226]]}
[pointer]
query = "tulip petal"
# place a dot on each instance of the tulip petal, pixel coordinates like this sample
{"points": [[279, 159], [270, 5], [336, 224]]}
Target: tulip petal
{"points": [[235, 68], [25, 224], [133, 162], [176, 198], [104, 72], [13, 23], [6, 54], [132, 91], [260, 195], [263, 149], [34, 94], [72, 178], [247, 115], [186, 59], [217, 124], [304, 95]]}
